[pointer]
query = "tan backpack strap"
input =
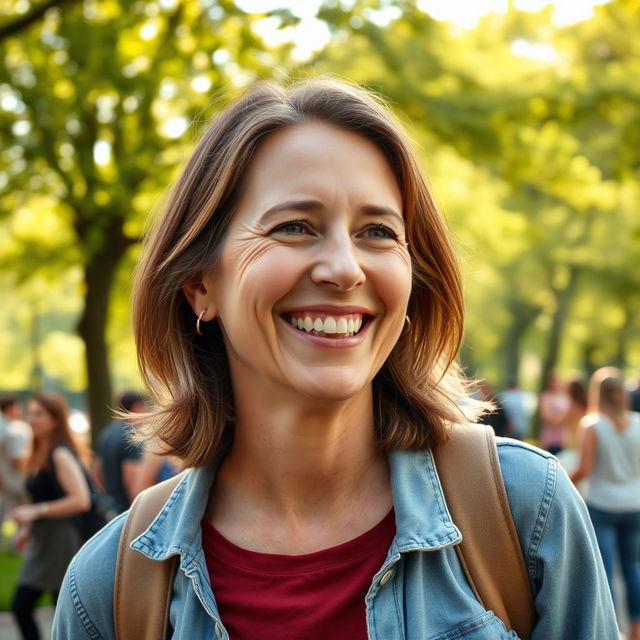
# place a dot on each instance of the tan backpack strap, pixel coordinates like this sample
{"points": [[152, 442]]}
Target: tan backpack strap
{"points": [[490, 552], [143, 587]]}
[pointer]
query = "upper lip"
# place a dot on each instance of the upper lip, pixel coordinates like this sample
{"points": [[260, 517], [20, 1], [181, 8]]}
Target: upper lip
{"points": [[330, 309]]}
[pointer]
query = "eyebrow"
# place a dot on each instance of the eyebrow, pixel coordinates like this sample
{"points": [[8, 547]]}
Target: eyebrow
{"points": [[311, 205]]}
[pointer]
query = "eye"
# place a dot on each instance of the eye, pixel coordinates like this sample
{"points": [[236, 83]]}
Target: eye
{"points": [[292, 228], [380, 232]]}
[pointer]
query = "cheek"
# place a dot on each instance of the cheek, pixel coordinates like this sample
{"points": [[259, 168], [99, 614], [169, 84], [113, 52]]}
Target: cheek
{"points": [[393, 281], [260, 278]]}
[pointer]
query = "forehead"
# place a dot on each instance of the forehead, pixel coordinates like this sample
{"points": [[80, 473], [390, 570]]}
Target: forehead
{"points": [[319, 159]]}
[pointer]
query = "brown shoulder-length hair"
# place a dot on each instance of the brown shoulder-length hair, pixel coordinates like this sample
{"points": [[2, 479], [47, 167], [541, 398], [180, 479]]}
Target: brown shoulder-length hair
{"points": [[418, 390], [56, 406], [607, 393]]}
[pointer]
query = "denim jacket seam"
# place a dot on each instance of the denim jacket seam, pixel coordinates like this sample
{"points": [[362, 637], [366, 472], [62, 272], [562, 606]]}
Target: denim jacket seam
{"points": [[437, 490], [81, 612], [397, 603], [541, 520], [471, 625]]}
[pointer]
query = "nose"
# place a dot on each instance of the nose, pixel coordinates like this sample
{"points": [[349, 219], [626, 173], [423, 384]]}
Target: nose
{"points": [[337, 263]]}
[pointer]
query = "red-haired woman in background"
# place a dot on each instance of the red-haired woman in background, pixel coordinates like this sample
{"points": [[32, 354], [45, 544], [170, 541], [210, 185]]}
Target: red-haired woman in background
{"points": [[59, 491]]}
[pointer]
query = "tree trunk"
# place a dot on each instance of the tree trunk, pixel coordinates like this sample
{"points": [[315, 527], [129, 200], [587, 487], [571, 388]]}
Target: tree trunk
{"points": [[99, 272], [564, 298], [523, 316], [588, 362], [624, 335]]}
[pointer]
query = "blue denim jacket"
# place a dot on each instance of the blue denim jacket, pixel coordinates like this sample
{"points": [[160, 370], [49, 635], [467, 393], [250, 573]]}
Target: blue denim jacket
{"points": [[420, 592]]}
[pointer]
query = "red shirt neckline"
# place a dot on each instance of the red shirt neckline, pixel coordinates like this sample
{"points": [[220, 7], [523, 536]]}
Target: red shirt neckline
{"points": [[362, 546]]}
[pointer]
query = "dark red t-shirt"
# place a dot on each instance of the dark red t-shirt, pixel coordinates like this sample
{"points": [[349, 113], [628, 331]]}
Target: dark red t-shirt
{"points": [[302, 597]]}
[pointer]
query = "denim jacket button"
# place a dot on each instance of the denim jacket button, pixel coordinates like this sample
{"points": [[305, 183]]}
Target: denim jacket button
{"points": [[386, 577]]}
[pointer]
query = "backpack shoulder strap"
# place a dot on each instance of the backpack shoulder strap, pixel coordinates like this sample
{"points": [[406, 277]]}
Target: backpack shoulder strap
{"points": [[143, 587], [490, 552]]}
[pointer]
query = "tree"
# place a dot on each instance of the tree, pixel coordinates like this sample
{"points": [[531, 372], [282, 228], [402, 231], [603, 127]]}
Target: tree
{"points": [[99, 99]]}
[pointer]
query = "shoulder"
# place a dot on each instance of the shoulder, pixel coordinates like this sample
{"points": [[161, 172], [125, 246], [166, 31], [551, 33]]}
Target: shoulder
{"points": [[108, 433], [544, 503], [84, 606], [64, 454], [527, 472]]}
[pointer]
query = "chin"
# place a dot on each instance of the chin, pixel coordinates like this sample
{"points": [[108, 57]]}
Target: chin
{"points": [[330, 387]]}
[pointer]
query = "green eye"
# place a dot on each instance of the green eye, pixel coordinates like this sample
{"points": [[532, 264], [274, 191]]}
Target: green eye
{"points": [[381, 232], [292, 228]]}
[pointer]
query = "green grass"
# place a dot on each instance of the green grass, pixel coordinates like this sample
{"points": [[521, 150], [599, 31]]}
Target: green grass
{"points": [[9, 567], [10, 563]]}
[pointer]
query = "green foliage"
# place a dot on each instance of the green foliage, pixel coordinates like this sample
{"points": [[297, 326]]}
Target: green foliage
{"points": [[529, 133]]}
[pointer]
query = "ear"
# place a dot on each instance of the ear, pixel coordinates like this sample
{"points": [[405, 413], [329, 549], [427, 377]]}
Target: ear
{"points": [[199, 292]]}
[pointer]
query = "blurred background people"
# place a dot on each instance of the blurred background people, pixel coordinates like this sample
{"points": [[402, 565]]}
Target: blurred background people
{"points": [[15, 445], [634, 397], [569, 455], [610, 458], [577, 410], [155, 467], [58, 490], [516, 403], [498, 418], [553, 406], [117, 459]]}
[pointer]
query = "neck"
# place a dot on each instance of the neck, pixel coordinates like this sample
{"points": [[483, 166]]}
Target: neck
{"points": [[619, 417], [302, 465], [295, 450]]}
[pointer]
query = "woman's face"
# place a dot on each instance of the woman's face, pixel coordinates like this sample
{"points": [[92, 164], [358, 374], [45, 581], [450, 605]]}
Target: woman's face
{"points": [[314, 278], [41, 421]]}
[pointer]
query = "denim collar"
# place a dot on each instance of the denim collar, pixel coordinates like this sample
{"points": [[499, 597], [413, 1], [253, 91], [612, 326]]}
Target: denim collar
{"points": [[423, 521]]}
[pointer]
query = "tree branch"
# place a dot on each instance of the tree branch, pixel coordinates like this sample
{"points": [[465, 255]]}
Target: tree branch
{"points": [[15, 26]]}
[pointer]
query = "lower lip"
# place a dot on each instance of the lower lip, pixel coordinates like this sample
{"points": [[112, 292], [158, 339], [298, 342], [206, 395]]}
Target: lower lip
{"points": [[331, 343]]}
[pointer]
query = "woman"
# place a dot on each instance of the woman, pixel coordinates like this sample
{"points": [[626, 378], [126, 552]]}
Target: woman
{"points": [[577, 392], [554, 404], [297, 313], [610, 458], [569, 456], [58, 491]]}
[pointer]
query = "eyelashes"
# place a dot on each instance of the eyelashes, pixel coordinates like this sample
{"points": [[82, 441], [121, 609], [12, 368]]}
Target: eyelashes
{"points": [[293, 228], [299, 227], [381, 232]]}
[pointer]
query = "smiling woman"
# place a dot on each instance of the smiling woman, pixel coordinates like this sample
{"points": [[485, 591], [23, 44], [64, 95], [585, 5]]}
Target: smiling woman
{"points": [[297, 313]]}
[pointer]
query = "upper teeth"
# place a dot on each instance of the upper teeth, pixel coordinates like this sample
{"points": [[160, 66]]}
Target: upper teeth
{"points": [[342, 324]]}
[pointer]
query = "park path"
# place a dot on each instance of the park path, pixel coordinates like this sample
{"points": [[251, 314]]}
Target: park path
{"points": [[8, 630]]}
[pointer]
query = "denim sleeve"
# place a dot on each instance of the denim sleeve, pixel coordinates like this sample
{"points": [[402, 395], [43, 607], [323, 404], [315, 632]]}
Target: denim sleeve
{"points": [[84, 608], [570, 588]]}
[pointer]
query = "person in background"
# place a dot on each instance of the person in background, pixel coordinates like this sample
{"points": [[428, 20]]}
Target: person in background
{"points": [[569, 455], [553, 407], [155, 466], [577, 392], [515, 403], [634, 397], [117, 459], [496, 419], [15, 445], [58, 490], [610, 458]]}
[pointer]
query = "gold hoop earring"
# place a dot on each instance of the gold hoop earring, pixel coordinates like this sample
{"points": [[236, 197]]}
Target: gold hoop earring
{"points": [[198, 331], [407, 321]]}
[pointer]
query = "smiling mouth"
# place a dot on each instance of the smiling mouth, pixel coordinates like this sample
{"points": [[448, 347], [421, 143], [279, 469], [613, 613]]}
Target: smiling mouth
{"points": [[342, 326]]}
